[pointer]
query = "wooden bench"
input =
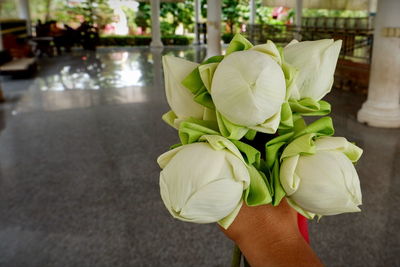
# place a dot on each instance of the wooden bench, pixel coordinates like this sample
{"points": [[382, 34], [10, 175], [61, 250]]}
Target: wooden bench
{"points": [[16, 66]]}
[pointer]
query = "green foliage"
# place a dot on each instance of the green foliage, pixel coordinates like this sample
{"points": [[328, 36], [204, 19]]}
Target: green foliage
{"points": [[166, 28], [178, 13], [227, 37], [8, 9], [135, 40], [230, 14], [307, 12], [130, 16], [94, 12], [143, 16]]}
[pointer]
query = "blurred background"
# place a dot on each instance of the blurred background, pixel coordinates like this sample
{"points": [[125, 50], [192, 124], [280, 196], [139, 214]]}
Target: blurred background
{"points": [[82, 95]]}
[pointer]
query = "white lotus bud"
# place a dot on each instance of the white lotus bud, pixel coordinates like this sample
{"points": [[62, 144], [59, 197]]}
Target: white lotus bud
{"points": [[324, 183], [248, 88], [201, 184], [316, 63], [179, 98]]}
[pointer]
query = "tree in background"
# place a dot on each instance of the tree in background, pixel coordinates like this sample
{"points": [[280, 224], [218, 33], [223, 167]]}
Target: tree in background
{"points": [[177, 13], [143, 16], [230, 14], [130, 16], [94, 12], [8, 9]]}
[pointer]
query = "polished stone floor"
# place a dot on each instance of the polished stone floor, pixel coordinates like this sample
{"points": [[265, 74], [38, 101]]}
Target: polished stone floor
{"points": [[79, 180]]}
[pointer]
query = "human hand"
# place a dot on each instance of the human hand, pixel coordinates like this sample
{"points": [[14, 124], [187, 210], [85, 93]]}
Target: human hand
{"points": [[269, 236]]}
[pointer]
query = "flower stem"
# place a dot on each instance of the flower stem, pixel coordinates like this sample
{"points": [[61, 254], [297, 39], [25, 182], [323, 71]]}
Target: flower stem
{"points": [[246, 263], [236, 256]]}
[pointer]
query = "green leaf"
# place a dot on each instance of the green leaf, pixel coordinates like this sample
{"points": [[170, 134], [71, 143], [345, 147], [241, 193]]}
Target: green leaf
{"points": [[229, 129], [310, 107], [286, 123], [321, 127], [204, 98], [207, 73], [250, 154], [258, 192], [238, 43], [193, 82], [272, 153], [170, 118], [301, 145], [279, 192], [251, 134], [214, 59], [190, 131]]}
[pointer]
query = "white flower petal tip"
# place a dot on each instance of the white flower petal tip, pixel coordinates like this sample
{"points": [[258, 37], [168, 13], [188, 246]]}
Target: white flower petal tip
{"points": [[248, 87], [179, 98], [316, 62], [202, 184]]}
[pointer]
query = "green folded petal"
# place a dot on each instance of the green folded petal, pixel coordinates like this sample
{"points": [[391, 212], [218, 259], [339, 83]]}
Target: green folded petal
{"points": [[272, 151], [303, 212], [278, 191], [204, 98], [190, 132], [251, 155], [321, 127], [273, 147], [290, 73], [214, 59], [251, 134], [206, 73], [270, 49], [258, 193], [310, 107], [229, 129], [353, 152], [325, 109], [286, 123], [209, 115], [238, 43], [170, 118], [228, 220], [304, 105], [175, 146], [301, 145], [193, 82], [218, 142]]}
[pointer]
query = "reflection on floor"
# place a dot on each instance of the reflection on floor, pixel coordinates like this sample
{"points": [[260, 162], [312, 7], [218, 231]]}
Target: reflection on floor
{"points": [[79, 181]]}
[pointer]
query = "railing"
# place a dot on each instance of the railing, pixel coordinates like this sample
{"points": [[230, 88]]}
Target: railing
{"points": [[356, 53]]}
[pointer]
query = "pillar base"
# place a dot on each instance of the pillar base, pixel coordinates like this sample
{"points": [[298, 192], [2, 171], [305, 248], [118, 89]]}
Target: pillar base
{"points": [[378, 116], [156, 44]]}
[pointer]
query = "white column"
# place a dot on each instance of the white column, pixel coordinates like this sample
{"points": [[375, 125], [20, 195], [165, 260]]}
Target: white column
{"points": [[372, 5], [213, 28], [24, 13], [155, 24], [382, 108], [253, 12], [157, 67], [298, 15], [196, 21], [1, 40]]}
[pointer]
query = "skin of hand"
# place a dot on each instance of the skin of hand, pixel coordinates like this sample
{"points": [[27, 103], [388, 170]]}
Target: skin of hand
{"points": [[269, 236]]}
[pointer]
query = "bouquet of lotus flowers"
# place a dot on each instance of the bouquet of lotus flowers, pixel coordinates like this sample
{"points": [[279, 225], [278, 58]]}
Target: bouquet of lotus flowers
{"points": [[243, 137]]}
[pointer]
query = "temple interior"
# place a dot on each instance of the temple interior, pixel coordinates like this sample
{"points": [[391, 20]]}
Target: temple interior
{"points": [[81, 129]]}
